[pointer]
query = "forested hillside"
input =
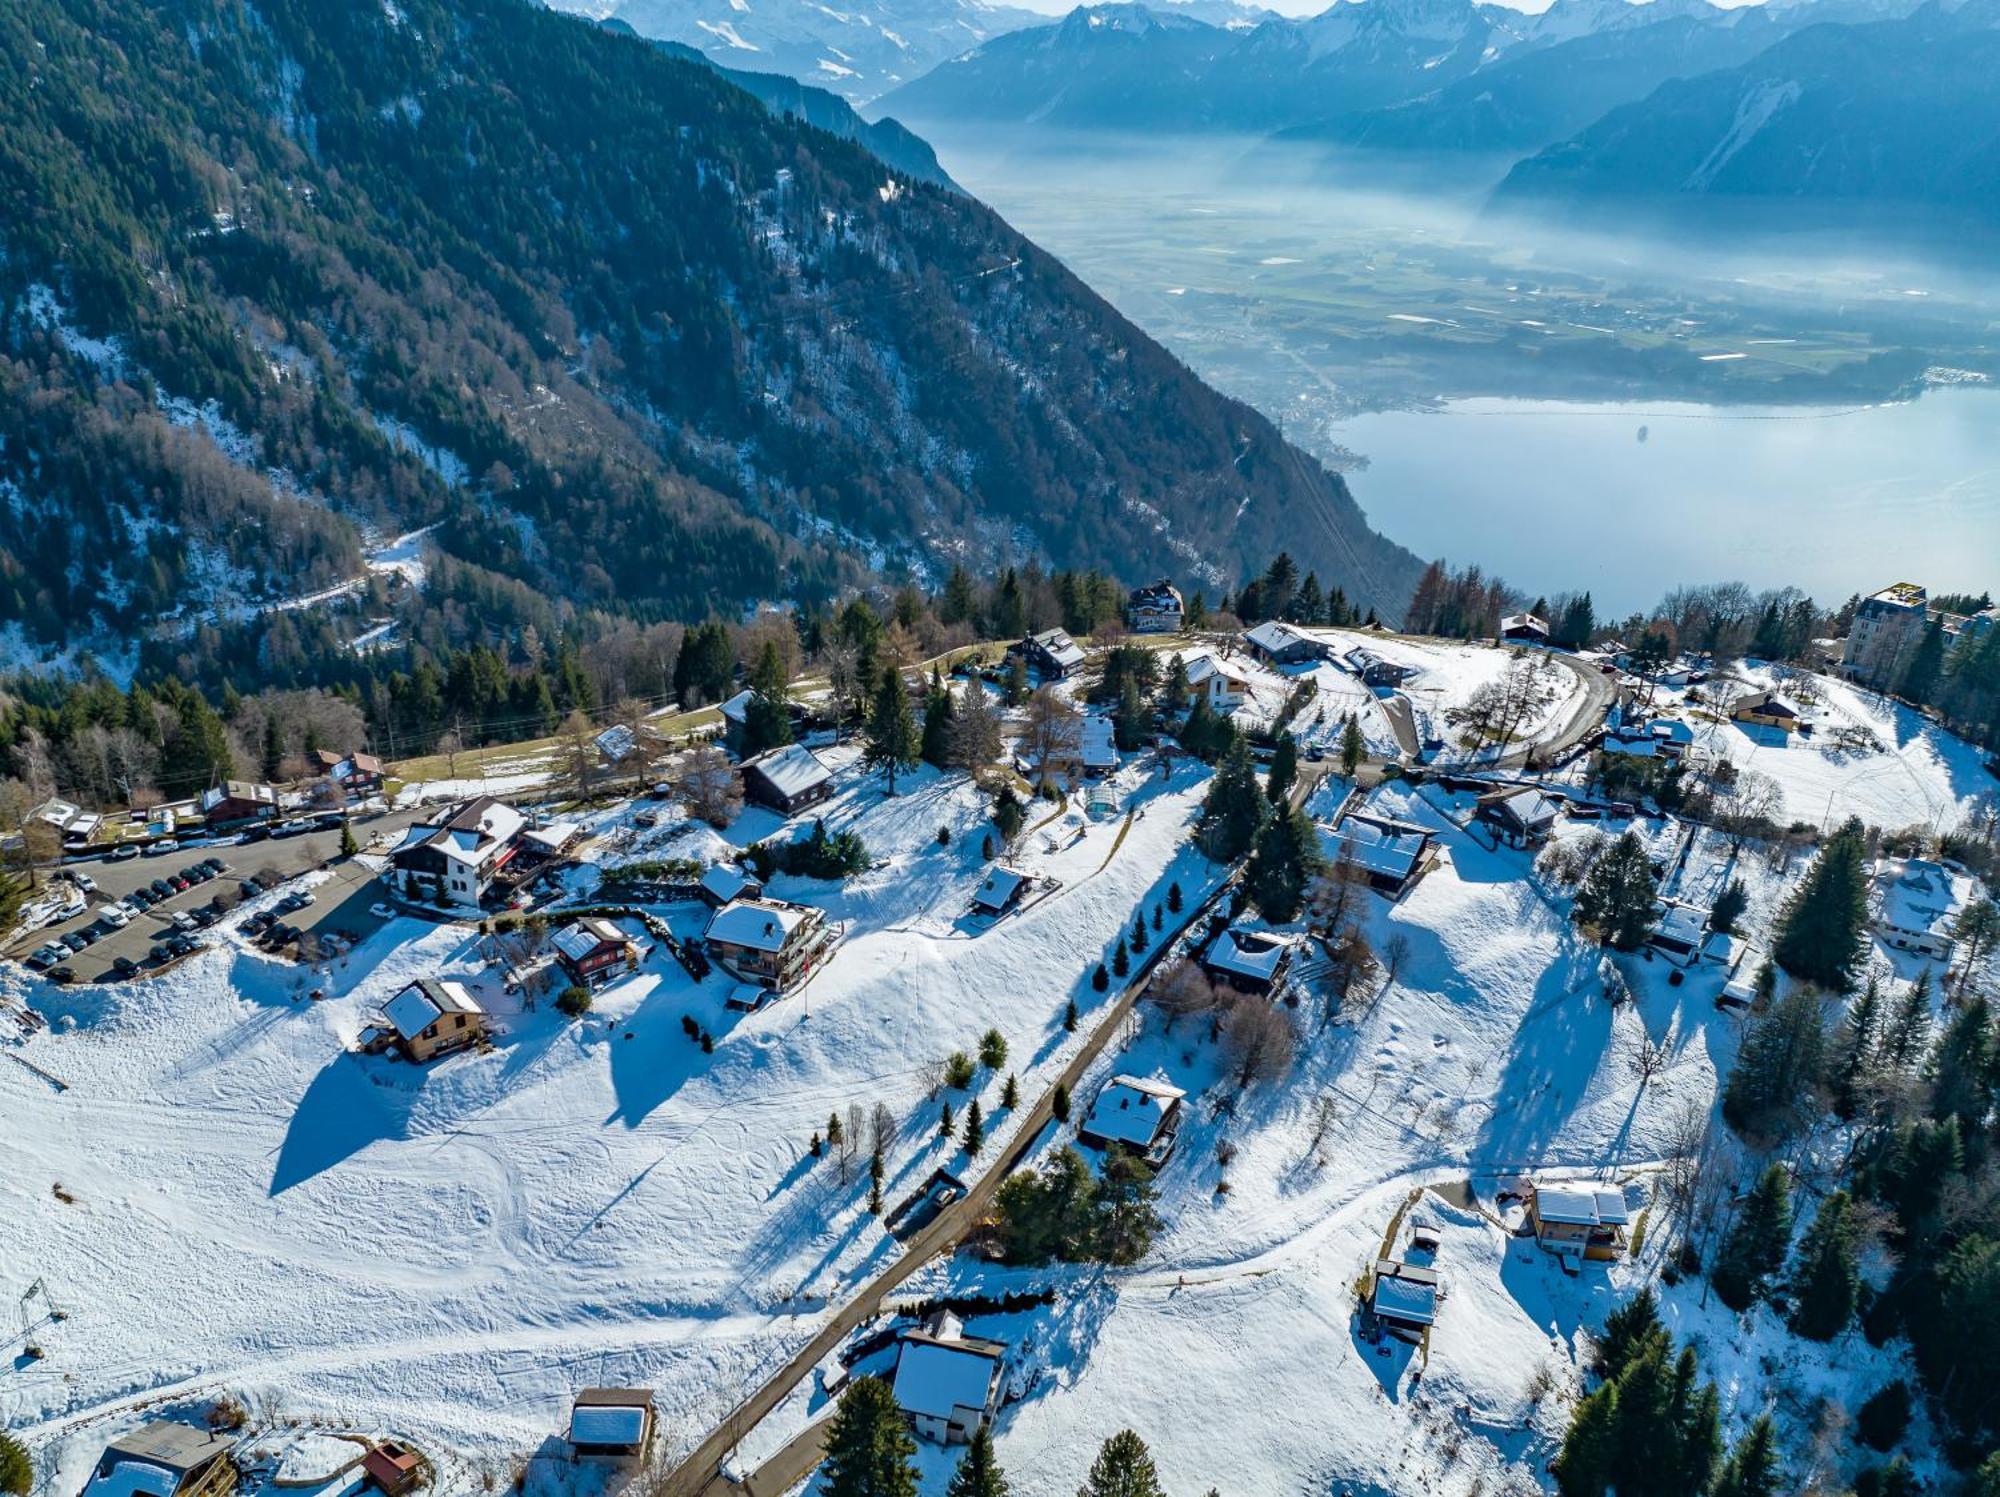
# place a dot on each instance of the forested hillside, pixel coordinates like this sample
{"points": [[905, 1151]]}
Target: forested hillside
{"points": [[278, 281]]}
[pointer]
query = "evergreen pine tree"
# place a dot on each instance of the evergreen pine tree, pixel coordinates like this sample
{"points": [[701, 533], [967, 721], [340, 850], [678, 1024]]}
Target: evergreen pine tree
{"points": [[868, 1450], [17, 1470], [940, 716], [274, 748], [978, 1473], [1233, 809], [1615, 898], [1123, 1468], [1010, 1094], [1908, 1036], [767, 720], [1583, 1468], [1121, 960], [1756, 1244], [1139, 940], [834, 1133], [1853, 1066], [1284, 770], [1961, 1070], [1059, 1103], [1353, 747], [1828, 1278], [1773, 1087], [1629, 1330], [1730, 905], [947, 1124], [1286, 856], [1752, 1467], [348, 846], [1822, 933], [1921, 675], [975, 1129], [892, 740], [1009, 815], [1100, 980], [1174, 898]]}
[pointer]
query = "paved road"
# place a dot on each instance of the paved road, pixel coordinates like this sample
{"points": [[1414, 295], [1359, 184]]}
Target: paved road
{"points": [[699, 1474], [346, 909]]}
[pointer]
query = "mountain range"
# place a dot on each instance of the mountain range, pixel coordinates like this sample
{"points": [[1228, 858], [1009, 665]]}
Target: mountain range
{"points": [[1877, 114], [280, 283], [1384, 71], [1890, 123]]}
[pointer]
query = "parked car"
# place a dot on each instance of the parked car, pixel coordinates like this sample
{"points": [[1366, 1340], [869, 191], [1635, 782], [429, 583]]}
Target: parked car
{"points": [[124, 966], [161, 889], [68, 910], [184, 920], [43, 958], [249, 888], [76, 940], [254, 834], [122, 853], [161, 848], [63, 975], [382, 911], [116, 916], [83, 881], [215, 865]]}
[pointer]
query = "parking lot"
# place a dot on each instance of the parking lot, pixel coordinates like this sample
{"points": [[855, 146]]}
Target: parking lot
{"points": [[341, 901]]}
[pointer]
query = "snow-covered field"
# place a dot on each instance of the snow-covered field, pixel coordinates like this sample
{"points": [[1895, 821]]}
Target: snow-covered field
{"points": [[449, 1252], [1916, 774]]}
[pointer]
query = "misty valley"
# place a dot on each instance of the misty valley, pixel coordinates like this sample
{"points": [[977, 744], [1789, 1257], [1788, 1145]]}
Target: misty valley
{"points": [[1644, 395]]}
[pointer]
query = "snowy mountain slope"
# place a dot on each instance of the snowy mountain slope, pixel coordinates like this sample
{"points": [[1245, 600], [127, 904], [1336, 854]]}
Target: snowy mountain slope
{"points": [[858, 51], [451, 1251]]}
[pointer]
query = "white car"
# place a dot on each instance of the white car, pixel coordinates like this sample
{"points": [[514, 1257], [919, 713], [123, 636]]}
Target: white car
{"points": [[84, 882], [382, 911], [69, 910], [114, 915]]}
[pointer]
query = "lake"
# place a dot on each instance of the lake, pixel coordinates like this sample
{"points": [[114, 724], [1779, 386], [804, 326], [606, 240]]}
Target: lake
{"points": [[1314, 288], [1556, 496]]}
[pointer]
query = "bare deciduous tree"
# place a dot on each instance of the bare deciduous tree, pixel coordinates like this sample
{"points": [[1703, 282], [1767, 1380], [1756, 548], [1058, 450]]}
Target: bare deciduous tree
{"points": [[1395, 951], [1184, 991], [1052, 740], [705, 782], [1259, 1040], [1352, 967]]}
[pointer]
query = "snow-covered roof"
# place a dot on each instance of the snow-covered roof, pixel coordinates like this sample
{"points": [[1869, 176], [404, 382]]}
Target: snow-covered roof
{"points": [[578, 940], [759, 924], [1682, 925], [1765, 704], [737, 708], [726, 881], [1130, 1109], [1528, 806], [616, 742], [468, 831], [1274, 635], [1248, 953], [1526, 622], [1161, 594], [1000, 886], [1379, 845], [1917, 895], [1581, 1204], [1407, 1299], [607, 1424], [1059, 647], [1671, 730], [418, 1006], [1098, 745], [946, 1377], [791, 770], [1200, 668], [132, 1478], [552, 838]]}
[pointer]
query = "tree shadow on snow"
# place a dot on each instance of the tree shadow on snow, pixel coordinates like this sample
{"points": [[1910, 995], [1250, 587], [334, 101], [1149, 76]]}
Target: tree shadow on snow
{"points": [[345, 1109], [1557, 1050]]}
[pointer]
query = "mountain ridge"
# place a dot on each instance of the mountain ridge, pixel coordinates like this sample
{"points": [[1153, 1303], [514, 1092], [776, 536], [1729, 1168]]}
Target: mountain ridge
{"points": [[628, 342]]}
